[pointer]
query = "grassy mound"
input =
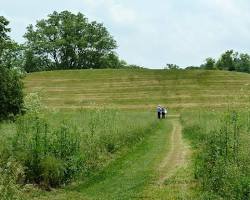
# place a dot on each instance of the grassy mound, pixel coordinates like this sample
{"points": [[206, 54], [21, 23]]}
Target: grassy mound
{"points": [[140, 89]]}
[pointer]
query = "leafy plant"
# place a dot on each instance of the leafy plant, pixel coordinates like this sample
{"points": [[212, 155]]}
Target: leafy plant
{"points": [[55, 149]]}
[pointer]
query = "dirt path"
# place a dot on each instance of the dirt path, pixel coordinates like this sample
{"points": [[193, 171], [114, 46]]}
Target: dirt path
{"points": [[177, 155], [173, 173]]}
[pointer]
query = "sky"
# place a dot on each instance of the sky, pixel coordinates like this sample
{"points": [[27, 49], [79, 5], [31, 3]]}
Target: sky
{"points": [[151, 33]]}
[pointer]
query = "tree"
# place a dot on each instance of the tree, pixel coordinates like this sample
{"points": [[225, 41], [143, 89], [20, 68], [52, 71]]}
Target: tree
{"points": [[192, 68], [34, 63], [209, 64], [231, 61], [68, 41], [4, 38], [242, 63], [111, 61], [226, 61], [172, 67], [11, 95], [11, 53]]}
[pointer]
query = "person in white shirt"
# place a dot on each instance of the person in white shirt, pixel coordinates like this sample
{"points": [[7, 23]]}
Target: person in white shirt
{"points": [[159, 111], [164, 112]]}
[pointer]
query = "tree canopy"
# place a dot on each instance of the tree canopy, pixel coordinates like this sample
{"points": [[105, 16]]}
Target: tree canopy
{"points": [[209, 64], [11, 95], [172, 67], [68, 41], [4, 38], [229, 60]]}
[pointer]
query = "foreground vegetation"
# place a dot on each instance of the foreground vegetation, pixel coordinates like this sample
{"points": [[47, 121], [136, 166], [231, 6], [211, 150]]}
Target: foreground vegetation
{"points": [[221, 156], [55, 148], [126, 177]]}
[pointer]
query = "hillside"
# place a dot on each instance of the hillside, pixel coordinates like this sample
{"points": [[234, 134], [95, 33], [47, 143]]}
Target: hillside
{"points": [[140, 89]]}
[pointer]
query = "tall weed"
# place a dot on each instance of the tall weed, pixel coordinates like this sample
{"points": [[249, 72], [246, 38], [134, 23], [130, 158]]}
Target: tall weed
{"points": [[221, 158], [55, 148], [11, 172]]}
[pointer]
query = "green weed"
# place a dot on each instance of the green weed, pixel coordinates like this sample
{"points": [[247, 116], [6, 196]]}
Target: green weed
{"points": [[55, 148], [221, 161]]}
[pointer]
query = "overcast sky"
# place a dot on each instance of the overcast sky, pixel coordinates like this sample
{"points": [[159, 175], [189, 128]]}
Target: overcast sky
{"points": [[151, 33]]}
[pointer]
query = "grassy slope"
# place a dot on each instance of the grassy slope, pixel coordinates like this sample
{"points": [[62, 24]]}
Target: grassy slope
{"points": [[135, 89]]}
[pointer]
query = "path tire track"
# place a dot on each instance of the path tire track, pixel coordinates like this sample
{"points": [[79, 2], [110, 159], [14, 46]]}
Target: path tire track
{"points": [[177, 155]]}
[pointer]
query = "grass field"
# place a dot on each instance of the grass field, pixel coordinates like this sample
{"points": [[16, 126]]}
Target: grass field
{"points": [[140, 89], [122, 151]]}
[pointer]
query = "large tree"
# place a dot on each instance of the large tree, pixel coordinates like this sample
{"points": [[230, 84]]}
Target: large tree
{"points": [[11, 95], [11, 53], [4, 38], [68, 41], [242, 63]]}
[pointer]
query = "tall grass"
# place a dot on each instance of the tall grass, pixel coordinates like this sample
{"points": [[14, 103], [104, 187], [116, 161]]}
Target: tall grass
{"points": [[10, 173], [56, 148], [222, 162], [46, 153]]}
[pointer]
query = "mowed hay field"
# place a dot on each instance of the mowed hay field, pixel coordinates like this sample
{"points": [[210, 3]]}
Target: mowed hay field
{"points": [[140, 89]]}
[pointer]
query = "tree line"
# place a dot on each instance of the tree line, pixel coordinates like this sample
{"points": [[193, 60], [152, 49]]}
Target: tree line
{"points": [[61, 41], [230, 60]]}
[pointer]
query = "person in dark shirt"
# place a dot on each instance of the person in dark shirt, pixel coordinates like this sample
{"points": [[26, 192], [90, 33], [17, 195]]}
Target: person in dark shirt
{"points": [[159, 111]]}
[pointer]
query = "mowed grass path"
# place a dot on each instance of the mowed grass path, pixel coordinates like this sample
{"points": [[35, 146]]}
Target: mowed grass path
{"points": [[128, 176], [139, 89]]}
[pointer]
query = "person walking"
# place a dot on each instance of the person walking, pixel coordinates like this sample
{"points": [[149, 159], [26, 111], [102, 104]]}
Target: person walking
{"points": [[159, 111], [164, 113]]}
